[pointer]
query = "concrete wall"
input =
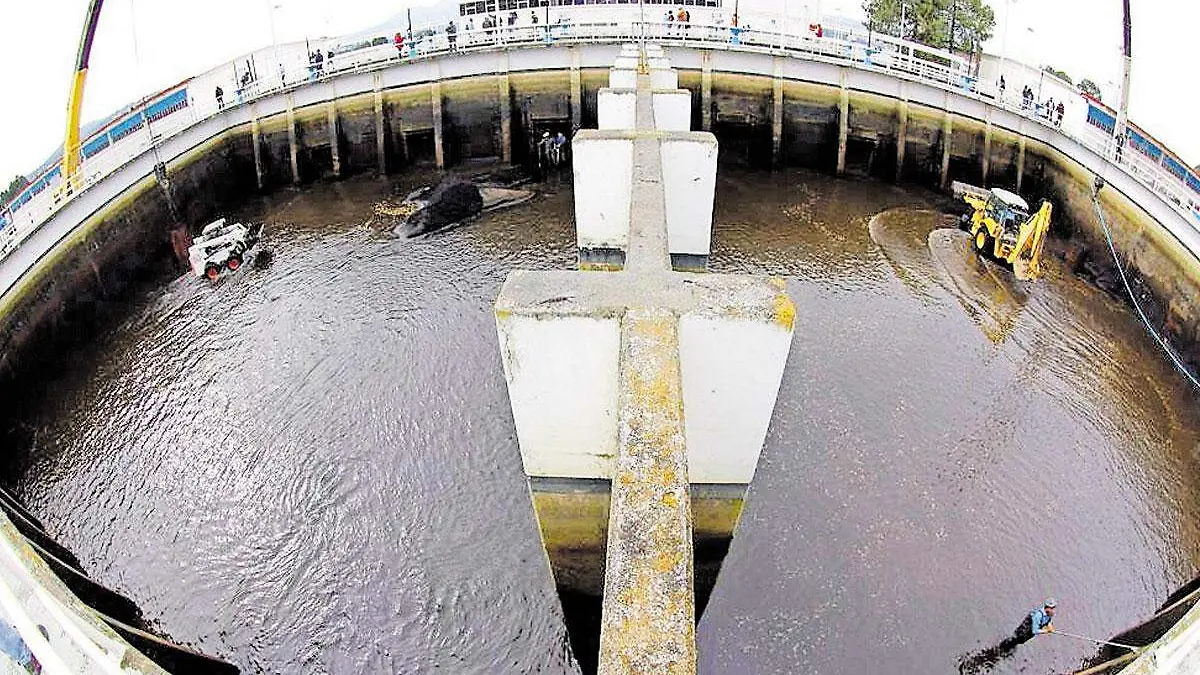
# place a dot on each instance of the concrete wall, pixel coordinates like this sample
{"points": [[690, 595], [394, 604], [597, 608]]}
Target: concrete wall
{"points": [[730, 380], [689, 178], [563, 436], [673, 110], [615, 108], [603, 170]]}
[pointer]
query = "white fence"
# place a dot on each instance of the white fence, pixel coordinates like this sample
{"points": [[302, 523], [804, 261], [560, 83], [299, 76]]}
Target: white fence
{"points": [[286, 66]]}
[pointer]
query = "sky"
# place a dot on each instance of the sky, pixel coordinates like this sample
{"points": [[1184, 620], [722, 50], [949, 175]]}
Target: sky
{"points": [[144, 46]]}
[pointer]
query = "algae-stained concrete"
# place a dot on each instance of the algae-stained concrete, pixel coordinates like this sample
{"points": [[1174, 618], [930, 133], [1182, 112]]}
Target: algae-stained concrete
{"points": [[1166, 274], [573, 519]]}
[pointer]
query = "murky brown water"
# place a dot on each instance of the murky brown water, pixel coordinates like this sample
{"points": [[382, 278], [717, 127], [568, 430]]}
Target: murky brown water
{"points": [[311, 467]]}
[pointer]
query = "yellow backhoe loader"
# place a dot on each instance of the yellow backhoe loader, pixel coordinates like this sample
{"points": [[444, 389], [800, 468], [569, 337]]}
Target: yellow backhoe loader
{"points": [[1002, 228]]}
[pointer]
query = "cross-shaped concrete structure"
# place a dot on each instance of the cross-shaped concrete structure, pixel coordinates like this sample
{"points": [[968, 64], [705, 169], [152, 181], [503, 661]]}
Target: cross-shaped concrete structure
{"points": [[646, 376]]}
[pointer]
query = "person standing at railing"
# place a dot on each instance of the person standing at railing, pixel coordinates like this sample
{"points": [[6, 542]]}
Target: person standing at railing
{"points": [[219, 94], [1059, 114], [399, 42], [685, 18], [452, 36]]}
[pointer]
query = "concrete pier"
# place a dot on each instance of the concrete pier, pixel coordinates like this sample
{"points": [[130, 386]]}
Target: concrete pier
{"points": [[256, 144], [620, 376], [947, 145], [777, 112], [435, 107], [901, 137], [1020, 160], [505, 111], [986, 160], [380, 125], [576, 91], [335, 153], [843, 125], [293, 147]]}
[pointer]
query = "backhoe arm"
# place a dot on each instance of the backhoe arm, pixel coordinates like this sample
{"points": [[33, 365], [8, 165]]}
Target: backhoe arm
{"points": [[1030, 241]]}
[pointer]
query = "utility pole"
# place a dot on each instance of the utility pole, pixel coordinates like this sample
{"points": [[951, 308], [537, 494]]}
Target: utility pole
{"points": [[1004, 43], [1123, 108], [953, 20], [271, 7], [642, 22]]}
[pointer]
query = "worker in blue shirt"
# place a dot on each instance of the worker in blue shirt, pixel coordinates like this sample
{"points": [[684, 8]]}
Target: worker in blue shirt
{"points": [[1037, 622], [1041, 619], [16, 649]]}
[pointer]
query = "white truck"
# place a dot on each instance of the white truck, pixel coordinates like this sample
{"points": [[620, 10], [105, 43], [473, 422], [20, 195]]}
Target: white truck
{"points": [[221, 246]]}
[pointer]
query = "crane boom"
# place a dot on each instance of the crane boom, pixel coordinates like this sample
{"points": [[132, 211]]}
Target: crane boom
{"points": [[71, 159], [1030, 241]]}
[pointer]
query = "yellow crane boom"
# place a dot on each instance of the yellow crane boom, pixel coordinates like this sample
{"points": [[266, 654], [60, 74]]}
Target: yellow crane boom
{"points": [[71, 158], [1030, 241]]}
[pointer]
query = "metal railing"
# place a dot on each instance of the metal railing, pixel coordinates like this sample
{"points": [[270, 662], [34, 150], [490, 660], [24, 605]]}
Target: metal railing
{"points": [[286, 66]]}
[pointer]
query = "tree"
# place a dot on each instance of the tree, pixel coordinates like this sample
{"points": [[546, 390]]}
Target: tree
{"points": [[973, 22], [883, 16], [14, 188], [930, 21], [1088, 87], [1060, 74]]}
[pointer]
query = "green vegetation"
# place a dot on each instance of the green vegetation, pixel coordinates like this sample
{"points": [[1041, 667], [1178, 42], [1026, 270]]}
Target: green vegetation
{"points": [[931, 22], [1088, 87], [14, 188]]}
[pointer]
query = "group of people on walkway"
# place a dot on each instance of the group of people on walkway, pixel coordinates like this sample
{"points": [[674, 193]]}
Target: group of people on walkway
{"points": [[316, 63], [678, 20], [489, 24], [1050, 110]]}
